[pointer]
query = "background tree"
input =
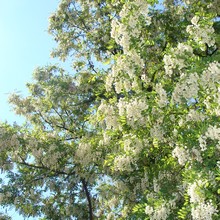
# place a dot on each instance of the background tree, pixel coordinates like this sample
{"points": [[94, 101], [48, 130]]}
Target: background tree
{"points": [[47, 179], [137, 138], [4, 217]]}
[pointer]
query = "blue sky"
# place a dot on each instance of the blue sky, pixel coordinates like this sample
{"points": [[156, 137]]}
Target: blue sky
{"points": [[24, 45]]}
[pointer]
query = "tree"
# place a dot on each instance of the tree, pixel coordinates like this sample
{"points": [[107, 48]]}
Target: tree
{"points": [[4, 217], [134, 132]]}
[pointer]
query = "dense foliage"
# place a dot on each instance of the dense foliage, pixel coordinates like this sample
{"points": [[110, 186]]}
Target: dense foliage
{"points": [[133, 132]]}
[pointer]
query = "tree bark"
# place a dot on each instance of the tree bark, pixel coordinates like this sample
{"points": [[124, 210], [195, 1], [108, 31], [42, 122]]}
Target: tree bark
{"points": [[88, 199]]}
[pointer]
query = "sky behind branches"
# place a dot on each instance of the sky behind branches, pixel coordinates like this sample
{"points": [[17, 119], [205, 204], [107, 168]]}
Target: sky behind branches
{"points": [[24, 45]]}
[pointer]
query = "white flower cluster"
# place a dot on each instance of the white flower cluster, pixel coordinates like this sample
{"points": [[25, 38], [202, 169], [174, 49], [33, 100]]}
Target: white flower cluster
{"points": [[8, 142], [37, 153], [186, 89], [162, 99], [158, 213], [211, 76], [216, 100], [110, 117], [116, 33], [132, 144], [156, 185], [123, 163], [105, 140], [194, 115], [176, 58], [50, 157], [213, 132], [14, 141], [202, 142], [181, 154], [122, 32], [122, 75], [196, 155], [84, 154], [123, 72], [202, 34], [133, 109], [142, 8], [156, 131], [195, 192], [203, 211], [212, 102]]}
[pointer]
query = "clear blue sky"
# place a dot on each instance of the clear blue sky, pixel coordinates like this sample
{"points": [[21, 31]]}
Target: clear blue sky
{"points": [[24, 45]]}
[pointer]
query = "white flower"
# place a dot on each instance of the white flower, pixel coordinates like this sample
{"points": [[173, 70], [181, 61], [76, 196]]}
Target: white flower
{"points": [[161, 213], [118, 86], [173, 60], [169, 64], [201, 34], [108, 82], [84, 153], [194, 115], [14, 141], [143, 6], [156, 185], [134, 110], [195, 192], [197, 155], [157, 132], [210, 76], [114, 30], [186, 89], [149, 210], [121, 106], [203, 211], [181, 154], [182, 48], [195, 20], [110, 216], [123, 163], [202, 143], [213, 132], [162, 95]]}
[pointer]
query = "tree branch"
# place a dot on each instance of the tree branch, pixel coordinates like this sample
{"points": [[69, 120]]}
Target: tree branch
{"points": [[88, 199]]}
